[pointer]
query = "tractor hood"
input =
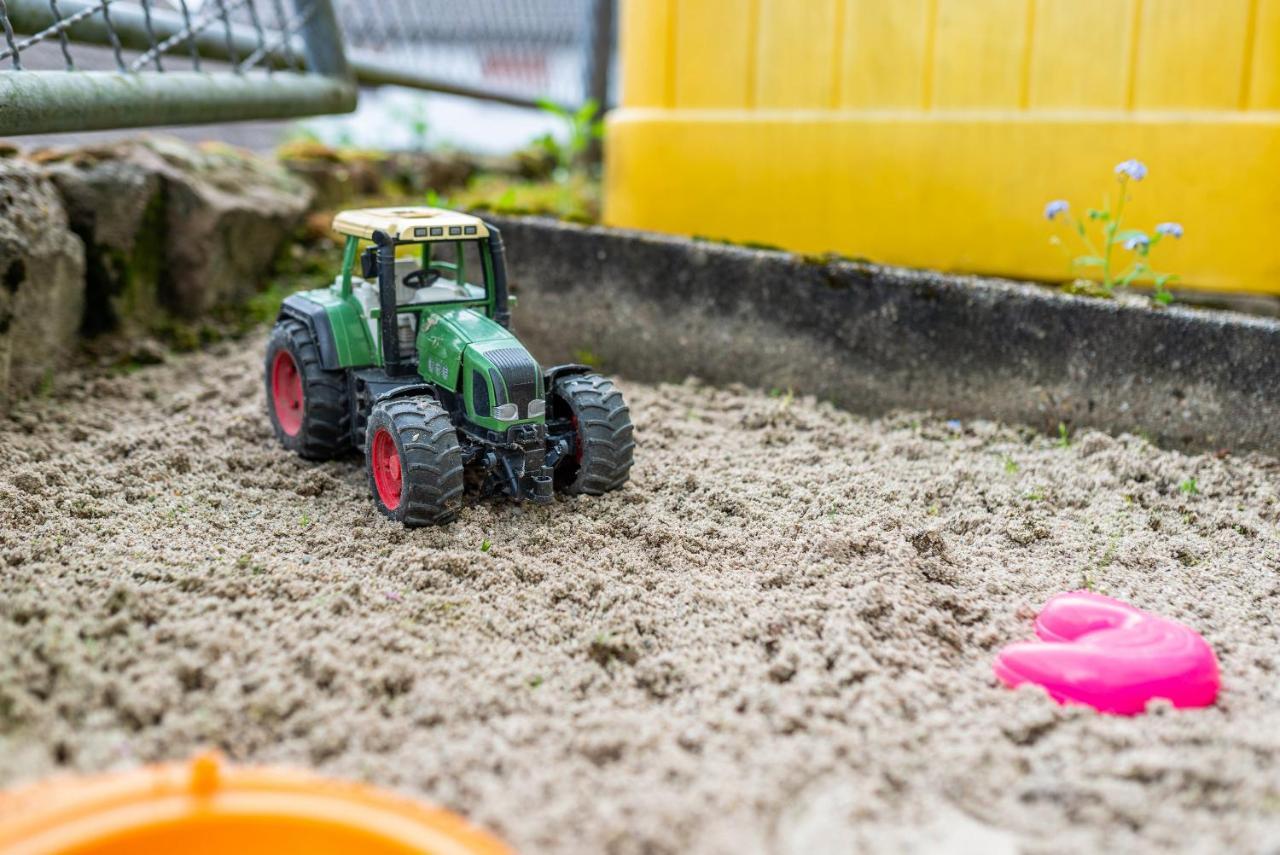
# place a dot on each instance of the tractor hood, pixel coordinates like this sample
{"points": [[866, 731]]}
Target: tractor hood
{"points": [[449, 338]]}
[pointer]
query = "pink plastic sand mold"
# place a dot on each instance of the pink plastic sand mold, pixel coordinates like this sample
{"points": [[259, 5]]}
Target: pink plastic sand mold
{"points": [[1111, 656]]}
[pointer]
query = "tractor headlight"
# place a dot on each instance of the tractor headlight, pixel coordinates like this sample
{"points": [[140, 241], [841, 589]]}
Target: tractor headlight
{"points": [[506, 412], [537, 408]]}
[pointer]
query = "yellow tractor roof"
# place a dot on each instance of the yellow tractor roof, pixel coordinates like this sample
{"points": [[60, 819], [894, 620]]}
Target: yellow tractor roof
{"points": [[412, 223]]}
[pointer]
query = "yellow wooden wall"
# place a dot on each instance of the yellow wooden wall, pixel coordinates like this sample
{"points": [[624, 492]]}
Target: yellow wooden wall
{"points": [[932, 132]]}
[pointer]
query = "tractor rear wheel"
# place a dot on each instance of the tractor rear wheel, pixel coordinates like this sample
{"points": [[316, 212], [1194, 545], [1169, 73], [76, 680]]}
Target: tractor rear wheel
{"points": [[308, 404], [414, 462], [603, 450]]}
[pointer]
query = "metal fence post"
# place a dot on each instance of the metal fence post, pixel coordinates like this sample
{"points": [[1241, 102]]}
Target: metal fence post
{"points": [[599, 60], [323, 41]]}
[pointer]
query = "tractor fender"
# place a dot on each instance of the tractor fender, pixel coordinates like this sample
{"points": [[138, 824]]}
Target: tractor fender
{"points": [[555, 372], [313, 314], [407, 390]]}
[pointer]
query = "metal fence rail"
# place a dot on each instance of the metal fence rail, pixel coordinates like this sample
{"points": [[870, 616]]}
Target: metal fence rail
{"points": [[152, 62], [267, 59]]}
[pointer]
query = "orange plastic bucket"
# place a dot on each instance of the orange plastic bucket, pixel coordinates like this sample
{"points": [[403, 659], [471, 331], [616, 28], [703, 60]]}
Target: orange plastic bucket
{"points": [[205, 807]]}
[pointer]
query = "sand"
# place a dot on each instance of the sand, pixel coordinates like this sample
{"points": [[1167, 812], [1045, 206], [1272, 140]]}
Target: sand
{"points": [[777, 638]]}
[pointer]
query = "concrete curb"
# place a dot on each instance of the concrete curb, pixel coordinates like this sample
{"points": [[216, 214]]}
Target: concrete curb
{"points": [[870, 338]]}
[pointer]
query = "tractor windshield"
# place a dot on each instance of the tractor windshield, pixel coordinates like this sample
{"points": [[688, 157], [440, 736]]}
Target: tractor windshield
{"points": [[452, 272], [428, 273]]}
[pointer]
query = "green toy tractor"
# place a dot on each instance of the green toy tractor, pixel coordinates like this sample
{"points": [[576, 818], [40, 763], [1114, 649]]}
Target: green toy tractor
{"points": [[413, 363]]}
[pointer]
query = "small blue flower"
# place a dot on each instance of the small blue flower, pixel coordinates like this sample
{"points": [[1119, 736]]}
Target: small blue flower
{"points": [[1173, 230], [954, 425], [1054, 208], [1137, 243], [1135, 169]]}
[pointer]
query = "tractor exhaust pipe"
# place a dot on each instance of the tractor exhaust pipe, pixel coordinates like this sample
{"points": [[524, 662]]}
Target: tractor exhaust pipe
{"points": [[388, 322], [498, 257]]}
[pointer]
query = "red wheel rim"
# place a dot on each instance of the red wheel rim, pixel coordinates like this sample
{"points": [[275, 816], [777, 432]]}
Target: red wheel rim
{"points": [[286, 392], [387, 475]]}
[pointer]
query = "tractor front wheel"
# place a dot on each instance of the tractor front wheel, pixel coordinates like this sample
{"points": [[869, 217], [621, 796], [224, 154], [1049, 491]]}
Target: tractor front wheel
{"points": [[602, 452], [414, 462], [308, 404]]}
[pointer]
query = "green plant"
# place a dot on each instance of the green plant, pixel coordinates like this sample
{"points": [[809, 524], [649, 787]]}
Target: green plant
{"points": [[582, 128], [586, 357], [1099, 254], [1190, 487], [574, 197], [414, 118], [1064, 436], [1010, 465], [486, 545]]}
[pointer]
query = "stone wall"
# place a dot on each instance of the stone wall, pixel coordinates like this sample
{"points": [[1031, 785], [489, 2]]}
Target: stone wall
{"points": [[872, 338], [127, 237], [42, 276]]}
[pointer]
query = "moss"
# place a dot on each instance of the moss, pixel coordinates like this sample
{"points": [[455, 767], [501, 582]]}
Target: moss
{"points": [[575, 199], [744, 244], [145, 280]]}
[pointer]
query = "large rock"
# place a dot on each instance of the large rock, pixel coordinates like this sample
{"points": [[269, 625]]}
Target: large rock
{"points": [[116, 205], [173, 229], [41, 280], [227, 215], [341, 177]]}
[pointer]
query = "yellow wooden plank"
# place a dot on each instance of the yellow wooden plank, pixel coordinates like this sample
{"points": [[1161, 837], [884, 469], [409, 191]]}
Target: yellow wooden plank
{"points": [[980, 53], [795, 62], [644, 28], [1191, 54], [715, 42], [884, 53], [1263, 91], [953, 191], [1079, 54]]}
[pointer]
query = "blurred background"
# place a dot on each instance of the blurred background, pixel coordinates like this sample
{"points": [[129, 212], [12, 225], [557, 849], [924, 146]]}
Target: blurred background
{"points": [[926, 133]]}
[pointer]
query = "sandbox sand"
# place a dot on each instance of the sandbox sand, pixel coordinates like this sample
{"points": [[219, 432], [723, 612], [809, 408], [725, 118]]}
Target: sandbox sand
{"points": [[778, 638]]}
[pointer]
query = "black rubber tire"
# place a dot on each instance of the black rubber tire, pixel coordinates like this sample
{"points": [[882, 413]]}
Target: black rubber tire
{"points": [[604, 435], [326, 416], [430, 460]]}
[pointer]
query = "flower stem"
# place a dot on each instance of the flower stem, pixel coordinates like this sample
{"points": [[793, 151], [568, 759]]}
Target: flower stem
{"points": [[1113, 226]]}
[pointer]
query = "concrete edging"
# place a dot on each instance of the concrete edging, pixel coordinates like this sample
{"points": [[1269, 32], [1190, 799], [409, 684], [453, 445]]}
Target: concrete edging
{"points": [[870, 338]]}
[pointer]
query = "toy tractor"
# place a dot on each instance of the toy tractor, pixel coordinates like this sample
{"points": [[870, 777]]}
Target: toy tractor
{"points": [[413, 363]]}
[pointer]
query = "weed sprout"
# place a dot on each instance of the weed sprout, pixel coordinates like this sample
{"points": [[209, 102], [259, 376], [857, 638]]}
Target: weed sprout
{"points": [[582, 128], [1099, 254]]}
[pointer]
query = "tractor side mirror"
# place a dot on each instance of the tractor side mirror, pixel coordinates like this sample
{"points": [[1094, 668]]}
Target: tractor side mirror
{"points": [[369, 263]]}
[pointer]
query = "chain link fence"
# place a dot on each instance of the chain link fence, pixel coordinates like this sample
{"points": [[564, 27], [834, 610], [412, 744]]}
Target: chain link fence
{"points": [[75, 65], [516, 51]]}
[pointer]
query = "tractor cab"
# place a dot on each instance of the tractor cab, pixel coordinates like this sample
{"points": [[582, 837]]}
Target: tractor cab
{"points": [[415, 261]]}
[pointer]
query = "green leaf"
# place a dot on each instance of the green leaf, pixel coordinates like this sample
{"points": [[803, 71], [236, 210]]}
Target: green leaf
{"points": [[1088, 261], [1095, 214], [1164, 298], [555, 109]]}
